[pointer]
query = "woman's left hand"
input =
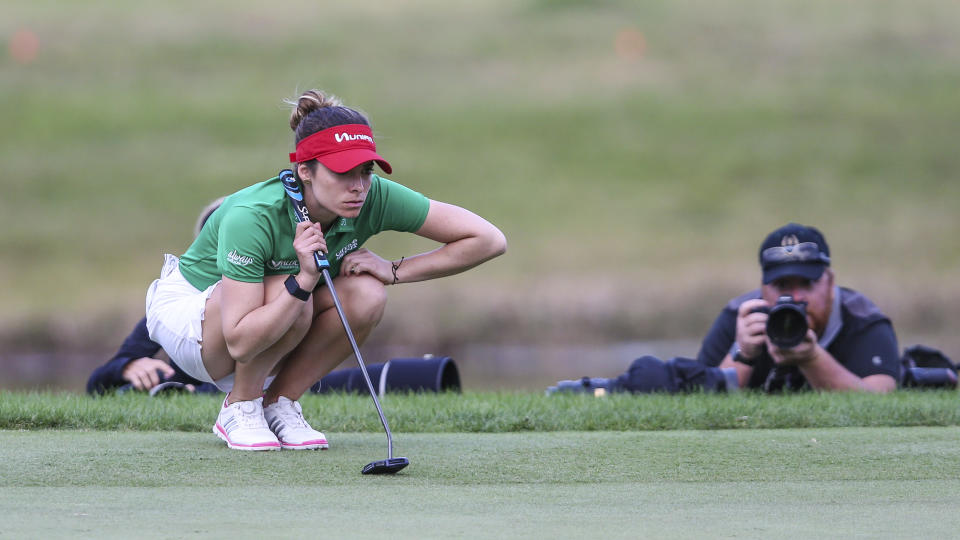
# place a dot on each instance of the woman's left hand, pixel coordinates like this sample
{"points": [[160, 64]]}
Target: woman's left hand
{"points": [[364, 261]]}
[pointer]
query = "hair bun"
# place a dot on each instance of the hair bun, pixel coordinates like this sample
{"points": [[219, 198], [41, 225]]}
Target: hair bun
{"points": [[309, 101]]}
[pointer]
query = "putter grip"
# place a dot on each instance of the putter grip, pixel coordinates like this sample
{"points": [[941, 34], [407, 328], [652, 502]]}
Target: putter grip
{"points": [[295, 193]]}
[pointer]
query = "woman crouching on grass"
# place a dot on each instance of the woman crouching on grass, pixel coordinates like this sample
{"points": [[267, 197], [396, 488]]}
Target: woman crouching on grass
{"points": [[245, 307]]}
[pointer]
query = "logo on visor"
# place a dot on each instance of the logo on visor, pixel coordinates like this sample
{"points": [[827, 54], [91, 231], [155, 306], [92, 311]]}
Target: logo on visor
{"points": [[341, 137], [789, 240]]}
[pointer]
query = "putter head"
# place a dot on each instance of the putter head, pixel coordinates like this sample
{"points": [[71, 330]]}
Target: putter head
{"points": [[386, 466]]}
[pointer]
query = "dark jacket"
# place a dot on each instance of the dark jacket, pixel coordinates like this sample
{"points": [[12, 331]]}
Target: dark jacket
{"points": [[137, 345]]}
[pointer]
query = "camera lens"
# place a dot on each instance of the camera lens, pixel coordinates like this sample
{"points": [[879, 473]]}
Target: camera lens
{"points": [[787, 325]]}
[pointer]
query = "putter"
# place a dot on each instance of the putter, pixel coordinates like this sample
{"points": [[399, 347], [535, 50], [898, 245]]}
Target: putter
{"points": [[391, 465]]}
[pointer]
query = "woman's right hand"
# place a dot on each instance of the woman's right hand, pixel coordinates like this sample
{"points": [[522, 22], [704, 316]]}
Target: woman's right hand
{"points": [[308, 239]]}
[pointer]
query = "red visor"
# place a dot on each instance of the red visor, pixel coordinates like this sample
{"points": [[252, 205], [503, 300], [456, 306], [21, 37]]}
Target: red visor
{"points": [[340, 148]]}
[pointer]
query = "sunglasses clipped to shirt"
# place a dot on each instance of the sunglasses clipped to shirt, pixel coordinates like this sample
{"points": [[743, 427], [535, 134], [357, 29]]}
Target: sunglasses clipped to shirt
{"points": [[804, 252]]}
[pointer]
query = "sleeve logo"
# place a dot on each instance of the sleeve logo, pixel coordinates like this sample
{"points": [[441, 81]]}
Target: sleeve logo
{"points": [[237, 259]]}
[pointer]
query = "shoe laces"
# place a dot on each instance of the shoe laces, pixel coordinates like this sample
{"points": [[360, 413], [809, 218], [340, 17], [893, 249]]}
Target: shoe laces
{"points": [[291, 413], [250, 415]]}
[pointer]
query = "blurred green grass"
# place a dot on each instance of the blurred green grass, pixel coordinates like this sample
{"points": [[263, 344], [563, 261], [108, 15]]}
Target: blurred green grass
{"points": [[498, 412], [633, 153]]}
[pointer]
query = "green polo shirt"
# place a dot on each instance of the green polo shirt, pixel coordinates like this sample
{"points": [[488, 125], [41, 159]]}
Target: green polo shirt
{"points": [[251, 234]]}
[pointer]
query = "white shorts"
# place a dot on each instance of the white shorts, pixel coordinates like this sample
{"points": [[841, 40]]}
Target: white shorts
{"points": [[175, 310]]}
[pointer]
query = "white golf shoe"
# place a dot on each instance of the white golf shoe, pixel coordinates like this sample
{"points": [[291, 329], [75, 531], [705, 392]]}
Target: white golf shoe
{"points": [[242, 426], [285, 418]]}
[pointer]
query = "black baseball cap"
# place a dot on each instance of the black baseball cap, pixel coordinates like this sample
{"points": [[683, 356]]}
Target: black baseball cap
{"points": [[794, 250]]}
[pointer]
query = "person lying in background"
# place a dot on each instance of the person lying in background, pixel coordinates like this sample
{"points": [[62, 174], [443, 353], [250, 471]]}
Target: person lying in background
{"points": [[801, 330], [137, 366]]}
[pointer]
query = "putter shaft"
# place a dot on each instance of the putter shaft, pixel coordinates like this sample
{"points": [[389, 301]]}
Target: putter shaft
{"points": [[356, 352]]}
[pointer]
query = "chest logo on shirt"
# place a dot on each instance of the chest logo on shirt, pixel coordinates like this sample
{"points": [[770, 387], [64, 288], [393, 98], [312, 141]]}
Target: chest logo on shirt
{"points": [[283, 265], [239, 260], [346, 249]]}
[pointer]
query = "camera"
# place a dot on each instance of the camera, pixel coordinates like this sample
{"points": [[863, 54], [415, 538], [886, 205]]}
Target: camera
{"points": [[926, 367], [787, 322], [929, 377], [597, 386]]}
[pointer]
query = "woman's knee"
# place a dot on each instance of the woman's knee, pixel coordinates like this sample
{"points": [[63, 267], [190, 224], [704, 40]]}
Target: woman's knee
{"points": [[303, 322], [364, 298]]}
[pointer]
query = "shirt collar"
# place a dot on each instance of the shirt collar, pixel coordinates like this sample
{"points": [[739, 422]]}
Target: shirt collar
{"points": [[342, 224], [834, 323]]}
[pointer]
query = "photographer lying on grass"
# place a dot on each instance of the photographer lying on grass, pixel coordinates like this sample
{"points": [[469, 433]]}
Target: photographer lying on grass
{"points": [[138, 366], [849, 345], [797, 331]]}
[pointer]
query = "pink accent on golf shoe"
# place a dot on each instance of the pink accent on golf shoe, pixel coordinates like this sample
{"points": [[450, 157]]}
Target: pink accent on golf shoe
{"points": [[242, 426], [285, 418]]}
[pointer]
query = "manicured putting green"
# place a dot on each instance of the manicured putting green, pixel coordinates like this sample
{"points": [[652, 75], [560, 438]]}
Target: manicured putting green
{"points": [[848, 482]]}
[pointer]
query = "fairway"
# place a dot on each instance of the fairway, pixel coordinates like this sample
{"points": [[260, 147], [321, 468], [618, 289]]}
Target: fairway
{"points": [[849, 482]]}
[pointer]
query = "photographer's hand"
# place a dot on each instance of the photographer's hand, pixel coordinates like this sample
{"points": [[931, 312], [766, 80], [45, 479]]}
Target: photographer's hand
{"points": [[802, 354], [752, 328], [822, 370], [142, 372]]}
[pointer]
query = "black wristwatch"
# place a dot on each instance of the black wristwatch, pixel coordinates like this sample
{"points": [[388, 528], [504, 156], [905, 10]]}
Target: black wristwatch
{"points": [[739, 357], [294, 289]]}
